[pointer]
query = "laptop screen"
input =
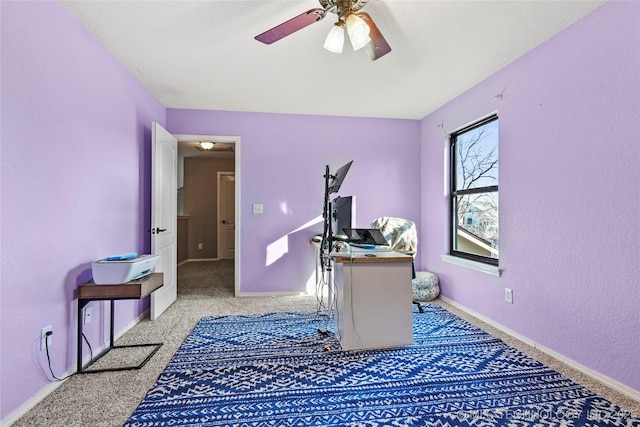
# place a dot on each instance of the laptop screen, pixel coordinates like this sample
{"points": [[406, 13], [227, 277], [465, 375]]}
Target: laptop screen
{"points": [[371, 236]]}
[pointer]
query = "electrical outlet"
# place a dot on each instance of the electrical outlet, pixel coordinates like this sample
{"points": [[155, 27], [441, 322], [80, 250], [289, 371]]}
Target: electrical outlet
{"points": [[44, 337], [200, 245], [87, 315], [508, 295]]}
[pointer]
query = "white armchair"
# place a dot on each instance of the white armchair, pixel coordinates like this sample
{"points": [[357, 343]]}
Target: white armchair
{"points": [[403, 237]]}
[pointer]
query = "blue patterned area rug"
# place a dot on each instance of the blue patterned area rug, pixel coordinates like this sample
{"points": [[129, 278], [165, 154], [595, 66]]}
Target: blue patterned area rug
{"points": [[275, 370]]}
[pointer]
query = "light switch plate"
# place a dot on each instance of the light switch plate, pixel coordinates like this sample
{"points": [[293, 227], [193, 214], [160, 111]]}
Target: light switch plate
{"points": [[508, 295], [258, 208]]}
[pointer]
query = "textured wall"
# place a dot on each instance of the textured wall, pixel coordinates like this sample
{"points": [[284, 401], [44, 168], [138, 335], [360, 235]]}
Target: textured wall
{"points": [[569, 194], [282, 163], [75, 186]]}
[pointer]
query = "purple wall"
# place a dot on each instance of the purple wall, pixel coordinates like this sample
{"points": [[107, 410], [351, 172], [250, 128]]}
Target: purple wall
{"points": [[75, 185], [283, 160], [569, 194]]}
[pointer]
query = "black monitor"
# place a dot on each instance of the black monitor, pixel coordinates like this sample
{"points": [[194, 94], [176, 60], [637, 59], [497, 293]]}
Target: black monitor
{"points": [[343, 215], [335, 184]]}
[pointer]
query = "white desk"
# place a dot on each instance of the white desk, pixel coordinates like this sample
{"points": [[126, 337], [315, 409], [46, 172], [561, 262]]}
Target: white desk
{"points": [[374, 308]]}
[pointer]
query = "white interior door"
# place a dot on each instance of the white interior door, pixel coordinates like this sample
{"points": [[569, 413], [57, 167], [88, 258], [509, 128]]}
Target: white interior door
{"points": [[164, 195], [226, 215]]}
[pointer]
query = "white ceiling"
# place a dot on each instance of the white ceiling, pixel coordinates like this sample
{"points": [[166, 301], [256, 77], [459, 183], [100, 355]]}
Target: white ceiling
{"points": [[202, 54]]}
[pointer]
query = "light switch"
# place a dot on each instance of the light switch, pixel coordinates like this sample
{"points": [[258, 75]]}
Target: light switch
{"points": [[258, 208]]}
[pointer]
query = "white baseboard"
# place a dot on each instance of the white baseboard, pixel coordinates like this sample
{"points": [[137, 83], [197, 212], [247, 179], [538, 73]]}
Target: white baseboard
{"points": [[611, 383], [272, 294], [124, 330], [34, 400], [53, 385], [187, 261]]}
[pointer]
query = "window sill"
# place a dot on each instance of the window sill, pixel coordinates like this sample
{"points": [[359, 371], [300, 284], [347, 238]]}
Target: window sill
{"points": [[474, 265]]}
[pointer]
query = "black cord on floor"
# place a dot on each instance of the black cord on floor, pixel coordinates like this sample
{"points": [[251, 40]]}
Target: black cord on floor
{"points": [[46, 345]]}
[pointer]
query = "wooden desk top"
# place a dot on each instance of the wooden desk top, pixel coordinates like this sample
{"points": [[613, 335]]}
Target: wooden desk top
{"points": [[365, 257], [134, 289]]}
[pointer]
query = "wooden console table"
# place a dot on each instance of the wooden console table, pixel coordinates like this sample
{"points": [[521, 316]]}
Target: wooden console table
{"points": [[135, 289]]}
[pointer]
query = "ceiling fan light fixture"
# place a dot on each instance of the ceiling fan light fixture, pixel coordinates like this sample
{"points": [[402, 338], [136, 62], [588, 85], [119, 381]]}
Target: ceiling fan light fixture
{"points": [[206, 145], [335, 39], [358, 31]]}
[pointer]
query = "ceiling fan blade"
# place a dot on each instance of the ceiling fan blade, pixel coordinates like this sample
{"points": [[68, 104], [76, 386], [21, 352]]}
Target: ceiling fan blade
{"points": [[291, 26], [378, 46]]}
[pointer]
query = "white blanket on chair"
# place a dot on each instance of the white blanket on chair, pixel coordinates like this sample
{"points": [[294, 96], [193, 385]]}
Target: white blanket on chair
{"points": [[400, 233]]}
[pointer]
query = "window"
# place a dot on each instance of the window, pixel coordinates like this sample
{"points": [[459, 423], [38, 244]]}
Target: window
{"points": [[474, 192]]}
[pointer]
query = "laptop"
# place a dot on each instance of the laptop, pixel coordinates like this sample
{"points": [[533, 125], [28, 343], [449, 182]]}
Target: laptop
{"points": [[365, 236]]}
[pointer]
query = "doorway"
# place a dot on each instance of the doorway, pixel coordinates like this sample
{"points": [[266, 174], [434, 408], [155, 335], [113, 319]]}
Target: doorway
{"points": [[201, 240]]}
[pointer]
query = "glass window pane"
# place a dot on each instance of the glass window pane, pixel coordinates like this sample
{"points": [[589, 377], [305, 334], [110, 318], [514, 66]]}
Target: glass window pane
{"points": [[477, 224], [477, 157]]}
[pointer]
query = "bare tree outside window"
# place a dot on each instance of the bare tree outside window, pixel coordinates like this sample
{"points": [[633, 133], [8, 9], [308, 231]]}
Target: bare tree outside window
{"points": [[474, 203]]}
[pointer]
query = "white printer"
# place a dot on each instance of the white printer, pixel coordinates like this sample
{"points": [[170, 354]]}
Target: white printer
{"points": [[122, 268]]}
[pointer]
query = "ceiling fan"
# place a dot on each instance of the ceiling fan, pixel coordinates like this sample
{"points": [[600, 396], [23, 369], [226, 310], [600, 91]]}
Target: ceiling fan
{"points": [[362, 31]]}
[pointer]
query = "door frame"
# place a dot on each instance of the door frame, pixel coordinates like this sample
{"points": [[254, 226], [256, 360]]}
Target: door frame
{"points": [[236, 141], [219, 176]]}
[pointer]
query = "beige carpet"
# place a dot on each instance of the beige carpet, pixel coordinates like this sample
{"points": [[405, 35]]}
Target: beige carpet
{"points": [[204, 289]]}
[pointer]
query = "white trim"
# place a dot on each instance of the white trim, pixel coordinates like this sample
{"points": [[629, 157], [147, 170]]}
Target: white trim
{"points": [[219, 176], [609, 382], [133, 323], [45, 391], [462, 262], [273, 294], [116, 336], [474, 265], [236, 260]]}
